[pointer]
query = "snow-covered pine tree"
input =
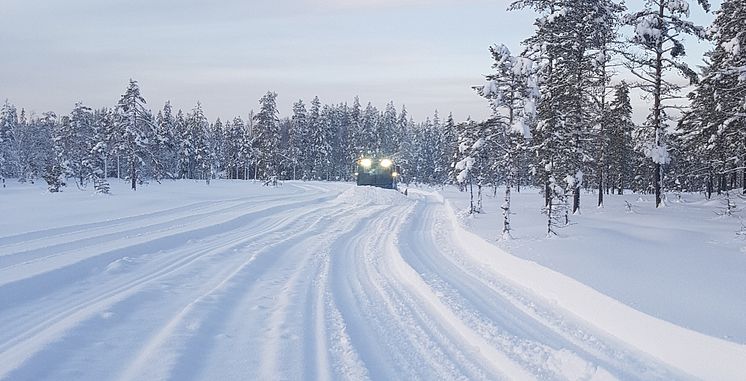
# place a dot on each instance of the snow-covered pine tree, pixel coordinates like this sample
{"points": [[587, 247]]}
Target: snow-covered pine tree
{"points": [[184, 147], [199, 133], [658, 30], [357, 143], [512, 92], [81, 162], [408, 156], [566, 45], [102, 126], [322, 140], [216, 146], [8, 154], [165, 144], [315, 151], [297, 136], [35, 145], [619, 127], [712, 133], [388, 131], [370, 140], [471, 142], [136, 124], [449, 147], [232, 159], [342, 156], [267, 138]]}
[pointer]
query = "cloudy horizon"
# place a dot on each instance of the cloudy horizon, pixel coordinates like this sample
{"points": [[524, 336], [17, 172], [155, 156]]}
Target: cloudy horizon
{"points": [[422, 54]]}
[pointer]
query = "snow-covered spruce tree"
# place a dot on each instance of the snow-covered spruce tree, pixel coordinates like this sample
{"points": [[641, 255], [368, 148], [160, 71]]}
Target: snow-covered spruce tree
{"points": [[712, 133], [82, 163], [343, 157], [267, 138], [54, 169], [699, 138], [249, 151], [72, 142], [136, 124], [388, 130], [728, 66], [165, 144], [184, 147], [297, 136], [449, 148], [471, 143], [232, 152], [408, 151], [322, 140], [512, 93], [199, 131], [441, 163], [101, 135], [35, 147], [658, 30], [8, 154], [575, 35], [357, 142], [370, 141], [216, 145], [603, 54], [619, 127]]}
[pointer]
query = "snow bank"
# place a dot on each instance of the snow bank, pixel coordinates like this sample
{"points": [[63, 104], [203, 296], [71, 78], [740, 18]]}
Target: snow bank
{"points": [[366, 195], [679, 347]]}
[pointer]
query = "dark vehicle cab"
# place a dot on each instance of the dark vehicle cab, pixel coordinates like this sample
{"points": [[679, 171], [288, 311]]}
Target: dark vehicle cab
{"points": [[375, 172]]}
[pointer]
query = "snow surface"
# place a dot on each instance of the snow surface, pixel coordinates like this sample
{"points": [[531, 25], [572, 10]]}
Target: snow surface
{"points": [[314, 281], [683, 263]]}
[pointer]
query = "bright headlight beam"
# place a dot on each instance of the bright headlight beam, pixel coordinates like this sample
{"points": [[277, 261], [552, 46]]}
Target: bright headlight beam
{"points": [[366, 163], [386, 163]]}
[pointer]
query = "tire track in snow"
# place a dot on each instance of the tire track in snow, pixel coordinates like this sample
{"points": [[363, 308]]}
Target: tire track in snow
{"points": [[21, 286], [63, 233], [44, 248], [540, 342], [293, 256], [402, 336], [37, 334]]}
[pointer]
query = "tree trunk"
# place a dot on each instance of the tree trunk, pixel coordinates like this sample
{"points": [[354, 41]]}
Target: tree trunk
{"points": [[657, 110], [576, 198], [506, 209], [133, 174], [471, 196]]}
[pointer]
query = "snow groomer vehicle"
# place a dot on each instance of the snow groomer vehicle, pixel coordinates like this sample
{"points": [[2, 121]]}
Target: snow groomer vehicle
{"points": [[377, 172]]}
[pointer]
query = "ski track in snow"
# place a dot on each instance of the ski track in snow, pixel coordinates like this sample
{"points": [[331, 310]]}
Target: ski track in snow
{"points": [[324, 283]]}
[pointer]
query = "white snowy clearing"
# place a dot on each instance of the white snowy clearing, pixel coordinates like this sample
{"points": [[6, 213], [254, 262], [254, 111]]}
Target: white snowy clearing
{"points": [[319, 281]]}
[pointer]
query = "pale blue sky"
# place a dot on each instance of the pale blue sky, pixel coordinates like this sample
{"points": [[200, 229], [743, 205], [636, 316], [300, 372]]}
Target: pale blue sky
{"points": [[226, 54]]}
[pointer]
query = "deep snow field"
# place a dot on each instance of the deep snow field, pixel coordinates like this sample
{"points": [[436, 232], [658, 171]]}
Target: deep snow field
{"points": [[684, 263], [327, 281]]}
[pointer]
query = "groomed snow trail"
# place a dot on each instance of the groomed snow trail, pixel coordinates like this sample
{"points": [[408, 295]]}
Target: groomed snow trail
{"points": [[325, 282]]}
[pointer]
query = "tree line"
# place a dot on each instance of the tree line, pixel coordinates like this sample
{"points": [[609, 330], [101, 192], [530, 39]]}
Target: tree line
{"points": [[562, 114], [129, 141]]}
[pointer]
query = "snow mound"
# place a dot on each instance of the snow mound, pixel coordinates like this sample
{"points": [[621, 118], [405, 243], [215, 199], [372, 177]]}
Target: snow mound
{"points": [[366, 195], [119, 265]]}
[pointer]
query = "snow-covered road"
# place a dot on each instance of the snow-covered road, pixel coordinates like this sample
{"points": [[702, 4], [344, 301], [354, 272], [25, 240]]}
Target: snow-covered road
{"points": [[317, 282]]}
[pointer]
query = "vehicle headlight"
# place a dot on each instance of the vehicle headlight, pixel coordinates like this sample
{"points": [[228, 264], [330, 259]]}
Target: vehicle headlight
{"points": [[366, 163], [395, 174], [386, 163]]}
